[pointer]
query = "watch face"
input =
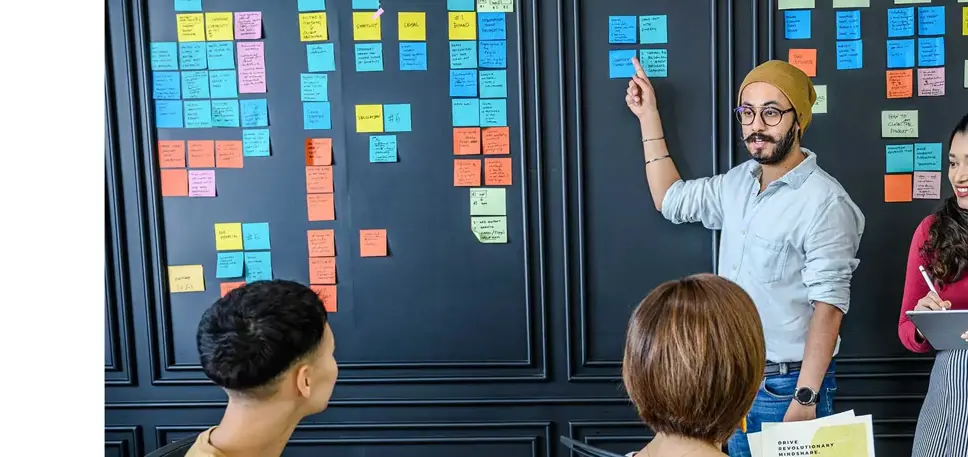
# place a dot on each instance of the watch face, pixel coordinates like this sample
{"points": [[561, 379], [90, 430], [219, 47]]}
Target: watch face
{"points": [[804, 395]]}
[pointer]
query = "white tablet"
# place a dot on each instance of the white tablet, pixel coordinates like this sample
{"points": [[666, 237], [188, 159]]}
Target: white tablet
{"points": [[943, 329]]}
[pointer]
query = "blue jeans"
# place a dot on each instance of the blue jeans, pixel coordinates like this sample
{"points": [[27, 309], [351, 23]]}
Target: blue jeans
{"points": [[772, 401]]}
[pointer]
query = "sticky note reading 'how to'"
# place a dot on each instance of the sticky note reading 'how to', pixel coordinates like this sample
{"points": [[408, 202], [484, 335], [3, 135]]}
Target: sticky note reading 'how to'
{"points": [[899, 124]]}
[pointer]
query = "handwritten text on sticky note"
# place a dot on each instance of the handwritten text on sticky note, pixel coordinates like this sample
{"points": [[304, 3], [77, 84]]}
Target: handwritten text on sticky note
{"points": [[899, 124], [186, 278]]}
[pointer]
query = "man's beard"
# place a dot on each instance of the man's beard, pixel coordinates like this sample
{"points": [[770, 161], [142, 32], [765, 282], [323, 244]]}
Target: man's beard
{"points": [[781, 149]]}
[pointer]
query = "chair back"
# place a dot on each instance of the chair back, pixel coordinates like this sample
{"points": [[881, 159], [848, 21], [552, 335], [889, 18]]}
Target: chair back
{"points": [[177, 449]]}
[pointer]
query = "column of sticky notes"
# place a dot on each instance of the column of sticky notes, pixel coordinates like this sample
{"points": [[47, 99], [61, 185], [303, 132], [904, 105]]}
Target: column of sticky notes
{"points": [[243, 254], [651, 30]]}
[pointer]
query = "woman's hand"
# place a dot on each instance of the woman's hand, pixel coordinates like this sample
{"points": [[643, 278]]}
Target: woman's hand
{"points": [[932, 302]]}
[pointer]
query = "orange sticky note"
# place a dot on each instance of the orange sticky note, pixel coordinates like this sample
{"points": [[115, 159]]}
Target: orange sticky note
{"points": [[373, 243], [900, 83], [201, 154], [319, 179], [174, 183], [171, 154], [322, 242], [319, 151], [228, 154], [496, 140], [322, 270], [230, 286], [467, 173], [897, 188], [467, 140], [328, 295], [497, 171], [804, 59], [321, 207]]}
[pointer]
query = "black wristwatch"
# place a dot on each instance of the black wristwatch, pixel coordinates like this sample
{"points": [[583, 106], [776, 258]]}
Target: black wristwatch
{"points": [[806, 396]]}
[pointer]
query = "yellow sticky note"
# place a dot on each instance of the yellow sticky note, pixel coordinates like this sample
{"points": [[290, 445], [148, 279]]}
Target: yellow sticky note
{"points": [[191, 27], [899, 124], [412, 26], [463, 26], [820, 106], [366, 27], [964, 20], [369, 118], [186, 278], [228, 236], [312, 27], [218, 27], [795, 4]]}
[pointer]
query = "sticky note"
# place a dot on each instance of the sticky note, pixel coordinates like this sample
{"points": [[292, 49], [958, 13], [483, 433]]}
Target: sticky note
{"points": [[493, 84], [900, 22], [314, 87], [899, 124], [219, 27], [221, 55], [496, 140], [186, 278], [195, 84], [927, 157], [313, 27], [322, 242], [411, 26], [653, 29], [369, 57], [852, 3], [188, 5], [311, 5], [322, 270], [252, 67], [465, 112], [255, 236], [494, 112], [621, 29], [467, 141], [228, 236], [906, 2], [927, 185], [413, 56], [463, 83], [495, 6], [228, 286], [966, 74], [805, 60], [164, 56], [321, 207], [191, 56], [191, 27], [490, 229], [166, 85], [463, 54], [620, 63], [396, 117], [850, 55], [493, 54], [258, 266], [319, 151], [383, 148], [327, 294], [820, 105], [317, 116], [900, 83], [174, 183], [255, 112], [228, 154], [171, 154], [497, 171], [897, 188], [462, 26], [797, 24], [931, 52], [201, 153], [488, 201], [201, 183], [373, 243], [369, 118], [320, 57], [964, 19], [366, 27], [900, 158], [223, 84], [467, 173], [366, 4], [198, 114], [229, 265], [655, 62], [931, 20], [931, 82], [900, 53], [319, 179], [248, 25], [795, 4], [848, 25], [168, 114], [492, 26], [460, 5], [255, 143]]}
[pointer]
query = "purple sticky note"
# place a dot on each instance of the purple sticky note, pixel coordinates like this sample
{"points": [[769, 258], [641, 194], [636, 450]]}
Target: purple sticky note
{"points": [[252, 67], [201, 183], [248, 25]]}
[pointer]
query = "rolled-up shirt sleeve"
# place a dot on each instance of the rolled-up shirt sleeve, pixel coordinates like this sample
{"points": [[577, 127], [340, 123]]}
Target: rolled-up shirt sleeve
{"points": [[695, 200], [830, 249]]}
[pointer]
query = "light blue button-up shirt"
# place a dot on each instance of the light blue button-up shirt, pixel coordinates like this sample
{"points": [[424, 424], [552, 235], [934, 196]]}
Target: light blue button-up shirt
{"points": [[788, 247]]}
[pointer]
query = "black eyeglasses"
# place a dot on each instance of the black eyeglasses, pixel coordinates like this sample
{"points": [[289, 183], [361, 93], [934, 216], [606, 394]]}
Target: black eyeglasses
{"points": [[771, 115]]}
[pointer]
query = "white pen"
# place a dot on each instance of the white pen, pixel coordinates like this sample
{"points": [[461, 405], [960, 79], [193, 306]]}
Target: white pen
{"points": [[927, 280]]}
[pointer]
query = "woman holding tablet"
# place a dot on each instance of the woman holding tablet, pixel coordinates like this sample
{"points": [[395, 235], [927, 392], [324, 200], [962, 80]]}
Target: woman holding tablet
{"points": [[940, 247]]}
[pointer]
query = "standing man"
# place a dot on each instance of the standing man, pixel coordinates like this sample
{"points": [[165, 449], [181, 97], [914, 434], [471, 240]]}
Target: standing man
{"points": [[790, 235]]}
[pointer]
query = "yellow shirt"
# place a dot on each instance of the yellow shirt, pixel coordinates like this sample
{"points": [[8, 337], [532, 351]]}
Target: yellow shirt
{"points": [[203, 447]]}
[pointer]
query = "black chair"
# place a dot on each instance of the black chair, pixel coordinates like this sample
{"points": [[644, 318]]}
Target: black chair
{"points": [[586, 450], [177, 449]]}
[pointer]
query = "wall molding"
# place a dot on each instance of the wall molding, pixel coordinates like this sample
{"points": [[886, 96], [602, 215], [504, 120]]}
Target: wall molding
{"points": [[128, 440]]}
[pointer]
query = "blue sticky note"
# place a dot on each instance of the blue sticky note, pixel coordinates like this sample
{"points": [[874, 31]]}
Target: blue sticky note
{"points": [[463, 54], [900, 158], [620, 63], [383, 148], [797, 24], [850, 55], [255, 143], [225, 113], [168, 114], [413, 56], [848, 25], [366, 4], [165, 85], [198, 114], [494, 112], [230, 265], [621, 29], [931, 52], [320, 57], [164, 56], [317, 116], [927, 157], [493, 54], [223, 84], [188, 5], [255, 236], [463, 83], [258, 266], [900, 53], [900, 22], [314, 87], [460, 5], [655, 62], [396, 117], [931, 20], [312, 5], [191, 55], [653, 29], [369, 57], [491, 26], [195, 84], [255, 112], [494, 84], [221, 55], [465, 112]]}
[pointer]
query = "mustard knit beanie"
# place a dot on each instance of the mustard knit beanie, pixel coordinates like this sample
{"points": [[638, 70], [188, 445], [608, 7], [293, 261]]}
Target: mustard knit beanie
{"points": [[790, 80]]}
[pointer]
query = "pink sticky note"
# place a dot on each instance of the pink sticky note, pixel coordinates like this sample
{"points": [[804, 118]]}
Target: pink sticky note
{"points": [[248, 25], [201, 183], [931, 82], [927, 185], [378, 13], [252, 67]]}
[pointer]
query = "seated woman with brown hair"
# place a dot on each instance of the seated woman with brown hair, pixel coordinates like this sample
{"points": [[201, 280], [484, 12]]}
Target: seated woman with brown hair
{"points": [[694, 359]]}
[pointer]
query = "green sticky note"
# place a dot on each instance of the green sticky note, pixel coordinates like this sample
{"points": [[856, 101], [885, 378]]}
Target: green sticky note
{"points": [[490, 229], [795, 4], [852, 3], [966, 72], [899, 124], [906, 2], [820, 106], [488, 201]]}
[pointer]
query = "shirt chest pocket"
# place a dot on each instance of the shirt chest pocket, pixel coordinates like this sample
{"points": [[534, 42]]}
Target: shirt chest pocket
{"points": [[765, 260]]}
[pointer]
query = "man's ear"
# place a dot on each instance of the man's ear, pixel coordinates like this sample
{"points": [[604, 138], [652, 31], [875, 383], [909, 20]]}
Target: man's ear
{"points": [[303, 379]]}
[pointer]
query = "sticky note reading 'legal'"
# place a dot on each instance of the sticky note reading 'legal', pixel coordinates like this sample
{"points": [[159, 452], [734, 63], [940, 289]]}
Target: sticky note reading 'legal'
{"points": [[805, 60], [488, 202], [931, 82], [490, 229], [186, 278], [900, 83], [412, 26], [897, 188], [927, 185], [255, 235], [228, 236], [899, 124], [373, 243], [229, 265], [820, 106]]}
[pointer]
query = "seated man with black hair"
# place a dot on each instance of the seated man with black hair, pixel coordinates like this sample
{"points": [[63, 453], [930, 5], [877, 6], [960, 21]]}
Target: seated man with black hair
{"points": [[269, 346]]}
